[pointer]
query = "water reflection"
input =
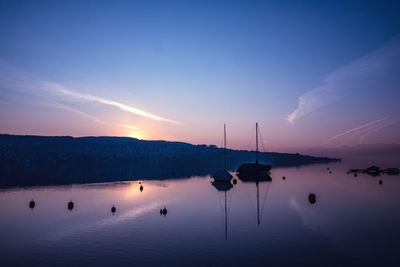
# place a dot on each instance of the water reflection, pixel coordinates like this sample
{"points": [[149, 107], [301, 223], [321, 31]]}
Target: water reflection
{"points": [[223, 186], [351, 214], [257, 179]]}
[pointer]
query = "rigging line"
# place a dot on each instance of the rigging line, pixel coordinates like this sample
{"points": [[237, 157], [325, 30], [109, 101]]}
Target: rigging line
{"points": [[221, 141], [230, 200], [265, 198], [262, 140], [221, 146], [221, 209], [249, 197], [250, 142]]}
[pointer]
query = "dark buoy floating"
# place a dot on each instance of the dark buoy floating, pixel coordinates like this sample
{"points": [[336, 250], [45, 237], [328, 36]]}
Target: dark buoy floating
{"points": [[312, 198], [70, 205], [163, 211], [234, 181], [31, 204], [330, 171], [355, 175], [283, 178], [113, 209], [141, 188], [380, 182]]}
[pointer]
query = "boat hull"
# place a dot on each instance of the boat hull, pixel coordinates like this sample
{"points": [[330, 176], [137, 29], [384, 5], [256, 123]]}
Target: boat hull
{"points": [[254, 171], [222, 175]]}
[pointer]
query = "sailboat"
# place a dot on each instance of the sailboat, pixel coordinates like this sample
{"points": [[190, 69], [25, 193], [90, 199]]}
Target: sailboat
{"points": [[223, 175], [254, 170]]}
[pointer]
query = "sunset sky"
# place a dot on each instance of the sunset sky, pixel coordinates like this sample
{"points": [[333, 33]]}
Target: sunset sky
{"points": [[325, 73]]}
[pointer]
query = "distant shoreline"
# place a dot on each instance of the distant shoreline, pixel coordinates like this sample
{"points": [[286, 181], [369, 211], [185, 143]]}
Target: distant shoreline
{"points": [[43, 160]]}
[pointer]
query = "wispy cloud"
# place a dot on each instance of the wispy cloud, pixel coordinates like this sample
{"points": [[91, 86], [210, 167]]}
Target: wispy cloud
{"points": [[17, 85], [56, 88], [358, 75], [79, 112], [129, 127]]}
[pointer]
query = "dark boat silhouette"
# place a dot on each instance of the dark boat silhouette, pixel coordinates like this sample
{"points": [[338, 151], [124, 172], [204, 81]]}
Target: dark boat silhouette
{"points": [[223, 174], [251, 170]]}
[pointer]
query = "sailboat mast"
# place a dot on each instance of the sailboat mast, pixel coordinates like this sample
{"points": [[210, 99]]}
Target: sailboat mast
{"points": [[257, 142], [225, 146]]}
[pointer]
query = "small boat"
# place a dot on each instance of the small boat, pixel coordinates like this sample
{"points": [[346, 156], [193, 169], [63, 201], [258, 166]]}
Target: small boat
{"points": [[254, 170], [223, 175]]}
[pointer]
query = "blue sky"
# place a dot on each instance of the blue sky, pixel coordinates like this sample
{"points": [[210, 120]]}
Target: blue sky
{"points": [[311, 73]]}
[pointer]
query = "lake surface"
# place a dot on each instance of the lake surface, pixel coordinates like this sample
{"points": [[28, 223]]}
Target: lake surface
{"points": [[355, 221]]}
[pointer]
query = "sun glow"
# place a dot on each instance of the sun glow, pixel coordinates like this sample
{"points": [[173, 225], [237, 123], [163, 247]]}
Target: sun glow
{"points": [[136, 134]]}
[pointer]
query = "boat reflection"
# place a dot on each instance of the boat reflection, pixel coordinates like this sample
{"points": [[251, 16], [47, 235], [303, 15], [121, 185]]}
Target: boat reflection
{"points": [[257, 179], [223, 186]]}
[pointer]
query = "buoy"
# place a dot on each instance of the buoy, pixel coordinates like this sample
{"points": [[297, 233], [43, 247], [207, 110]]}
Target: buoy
{"points": [[380, 182], [70, 205], [164, 211], [113, 209], [160, 211], [141, 188], [312, 198], [234, 181], [327, 169], [188, 176], [31, 204], [330, 171], [355, 175], [283, 178]]}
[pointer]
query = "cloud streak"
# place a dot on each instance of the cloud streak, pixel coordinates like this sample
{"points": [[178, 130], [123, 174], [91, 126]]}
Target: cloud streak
{"points": [[357, 76], [17, 85], [366, 129], [56, 88]]}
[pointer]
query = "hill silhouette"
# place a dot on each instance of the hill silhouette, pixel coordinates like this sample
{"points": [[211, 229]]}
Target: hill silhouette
{"points": [[42, 160]]}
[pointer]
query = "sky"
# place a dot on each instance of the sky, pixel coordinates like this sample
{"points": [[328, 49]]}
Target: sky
{"points": [[311, 73]]}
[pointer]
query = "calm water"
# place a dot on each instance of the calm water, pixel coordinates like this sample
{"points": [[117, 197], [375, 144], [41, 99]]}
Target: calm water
{"points": [[355, 221]]}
